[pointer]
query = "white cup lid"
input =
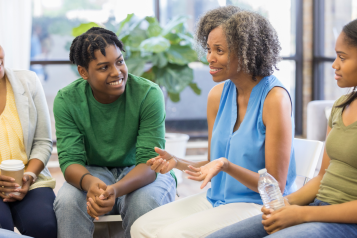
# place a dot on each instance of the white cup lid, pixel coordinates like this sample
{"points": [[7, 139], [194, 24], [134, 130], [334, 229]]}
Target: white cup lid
{"points": [[12, 165], [262, 171]]}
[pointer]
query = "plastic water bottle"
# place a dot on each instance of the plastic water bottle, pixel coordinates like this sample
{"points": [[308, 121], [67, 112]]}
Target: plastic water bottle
{"points": [[270, 191]]}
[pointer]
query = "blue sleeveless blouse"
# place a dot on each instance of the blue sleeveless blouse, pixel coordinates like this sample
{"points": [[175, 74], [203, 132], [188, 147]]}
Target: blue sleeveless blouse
{"points": [[244, 147]]}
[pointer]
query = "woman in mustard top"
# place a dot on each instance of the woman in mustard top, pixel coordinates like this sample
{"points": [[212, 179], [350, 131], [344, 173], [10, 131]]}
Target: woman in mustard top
{"points": [[25, 135]]}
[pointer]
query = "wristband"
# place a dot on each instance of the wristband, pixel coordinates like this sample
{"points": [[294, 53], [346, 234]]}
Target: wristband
{"points": [[80, 181], [33, 175]]}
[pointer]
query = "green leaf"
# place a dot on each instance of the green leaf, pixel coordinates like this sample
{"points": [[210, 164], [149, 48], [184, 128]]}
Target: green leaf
{"points": [[175, 97], [159, 60], [149, 75], [174, 78], [129, 27], [174, 25], [82, 28], [173, 38], [195, 88], [151, 19], [154, 29], [155, 44], [136, 37], [124, 22], [186, 39], [136, 65], [181, 54]]}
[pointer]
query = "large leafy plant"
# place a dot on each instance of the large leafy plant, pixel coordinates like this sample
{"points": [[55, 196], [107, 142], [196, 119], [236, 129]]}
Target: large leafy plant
{"points": [[160, 54]]}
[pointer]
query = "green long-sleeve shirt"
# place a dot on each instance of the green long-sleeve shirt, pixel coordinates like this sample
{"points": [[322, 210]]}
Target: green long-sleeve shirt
{"points": [[119, 134]]}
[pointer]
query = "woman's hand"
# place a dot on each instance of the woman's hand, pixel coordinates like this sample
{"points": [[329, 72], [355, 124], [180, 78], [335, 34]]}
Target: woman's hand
{"points": [[162, 163], [26, 183], [7, 185], [287, 216], [208, 171], [103, 203]]}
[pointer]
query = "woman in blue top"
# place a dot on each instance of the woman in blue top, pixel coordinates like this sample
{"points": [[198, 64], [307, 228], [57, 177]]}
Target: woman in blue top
{"points": [[250, 127]]}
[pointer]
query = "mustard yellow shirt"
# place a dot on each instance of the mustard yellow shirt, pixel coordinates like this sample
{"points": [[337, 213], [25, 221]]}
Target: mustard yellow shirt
{"points": [[11, 137]]}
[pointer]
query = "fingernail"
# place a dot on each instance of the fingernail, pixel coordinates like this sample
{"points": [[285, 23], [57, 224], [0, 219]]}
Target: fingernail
{"points": [[101, 196], [12, 179], [17, 185], [268, 216]]}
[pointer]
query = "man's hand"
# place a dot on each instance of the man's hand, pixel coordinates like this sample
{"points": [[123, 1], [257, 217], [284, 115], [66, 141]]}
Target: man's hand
{"points": [[287, 216], [101, 204], [26, 183]]}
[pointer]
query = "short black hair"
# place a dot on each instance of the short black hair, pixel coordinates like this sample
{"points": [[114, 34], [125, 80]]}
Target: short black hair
{"points": [[96, 38]]}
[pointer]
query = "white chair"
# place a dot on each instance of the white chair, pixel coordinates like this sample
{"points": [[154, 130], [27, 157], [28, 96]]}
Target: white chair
{"points": [[108, 227], [307, 154]]}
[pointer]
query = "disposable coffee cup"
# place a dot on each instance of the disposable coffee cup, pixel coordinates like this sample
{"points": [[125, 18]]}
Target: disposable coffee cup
{"points": [[13, 169]]}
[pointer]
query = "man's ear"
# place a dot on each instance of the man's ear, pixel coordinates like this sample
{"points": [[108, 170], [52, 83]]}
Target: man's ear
{"points": [[83, 72]]}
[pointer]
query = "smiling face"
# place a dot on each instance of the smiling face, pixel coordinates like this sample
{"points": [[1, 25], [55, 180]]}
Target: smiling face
{"points": [[345, 64], [2, 59], [107, 75], [222, 65]]}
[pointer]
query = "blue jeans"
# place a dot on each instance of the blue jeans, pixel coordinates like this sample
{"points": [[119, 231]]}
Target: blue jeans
{"points": [[71, 209], [10, 234], [253, 228], [33, 216]]}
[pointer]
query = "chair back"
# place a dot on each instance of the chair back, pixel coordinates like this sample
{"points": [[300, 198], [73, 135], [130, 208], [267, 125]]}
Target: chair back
{"points": [[307, 154]]}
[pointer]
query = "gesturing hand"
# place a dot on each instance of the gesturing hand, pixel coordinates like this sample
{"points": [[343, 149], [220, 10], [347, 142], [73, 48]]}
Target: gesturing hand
{"points": [[162, 163], [284, 217], [26, 183], [207, 172], [103, 203]]}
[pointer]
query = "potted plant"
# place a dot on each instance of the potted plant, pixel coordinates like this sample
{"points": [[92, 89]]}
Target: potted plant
{"points": [[161, 54]]}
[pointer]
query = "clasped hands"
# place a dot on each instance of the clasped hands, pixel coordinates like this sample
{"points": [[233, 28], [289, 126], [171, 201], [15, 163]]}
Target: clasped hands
{"points": [[164, 162], [100, 198], [8, 185], [289, 215]]}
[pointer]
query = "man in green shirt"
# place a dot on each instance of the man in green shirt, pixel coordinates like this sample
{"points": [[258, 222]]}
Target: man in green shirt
{"points": [[107, 125]]}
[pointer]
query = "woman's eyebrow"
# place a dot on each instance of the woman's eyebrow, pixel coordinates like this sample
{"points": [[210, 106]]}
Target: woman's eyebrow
{"points": [[341, 52]]}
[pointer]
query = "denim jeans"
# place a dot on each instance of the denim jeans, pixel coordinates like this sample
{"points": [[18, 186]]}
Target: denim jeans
{"points": [[253, 228], [10, 234], [70, 204]]}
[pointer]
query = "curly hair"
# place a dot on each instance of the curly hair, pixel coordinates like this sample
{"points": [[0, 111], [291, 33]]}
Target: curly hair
{"points": [[249, 35], [96, 38]]}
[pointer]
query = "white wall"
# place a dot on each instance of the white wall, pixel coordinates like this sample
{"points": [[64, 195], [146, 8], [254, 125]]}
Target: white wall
{"points": [[15, 32]]}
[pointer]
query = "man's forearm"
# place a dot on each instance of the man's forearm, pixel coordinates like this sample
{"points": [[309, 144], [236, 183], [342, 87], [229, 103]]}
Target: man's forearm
{"points": [[138, 177], [74, 173]]}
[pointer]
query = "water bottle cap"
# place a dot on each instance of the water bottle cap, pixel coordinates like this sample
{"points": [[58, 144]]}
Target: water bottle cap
{"points": [[262, 171]]}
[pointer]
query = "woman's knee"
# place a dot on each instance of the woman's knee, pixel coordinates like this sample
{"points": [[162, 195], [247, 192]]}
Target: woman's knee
{"points": [[142, 227]]}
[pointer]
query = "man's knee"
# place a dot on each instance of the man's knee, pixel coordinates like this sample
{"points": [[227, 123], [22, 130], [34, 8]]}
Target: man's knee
{"points": [[69, 200]]}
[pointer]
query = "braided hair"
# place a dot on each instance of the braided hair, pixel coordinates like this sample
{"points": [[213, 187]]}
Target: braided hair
{"points": [[96, 38]]}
